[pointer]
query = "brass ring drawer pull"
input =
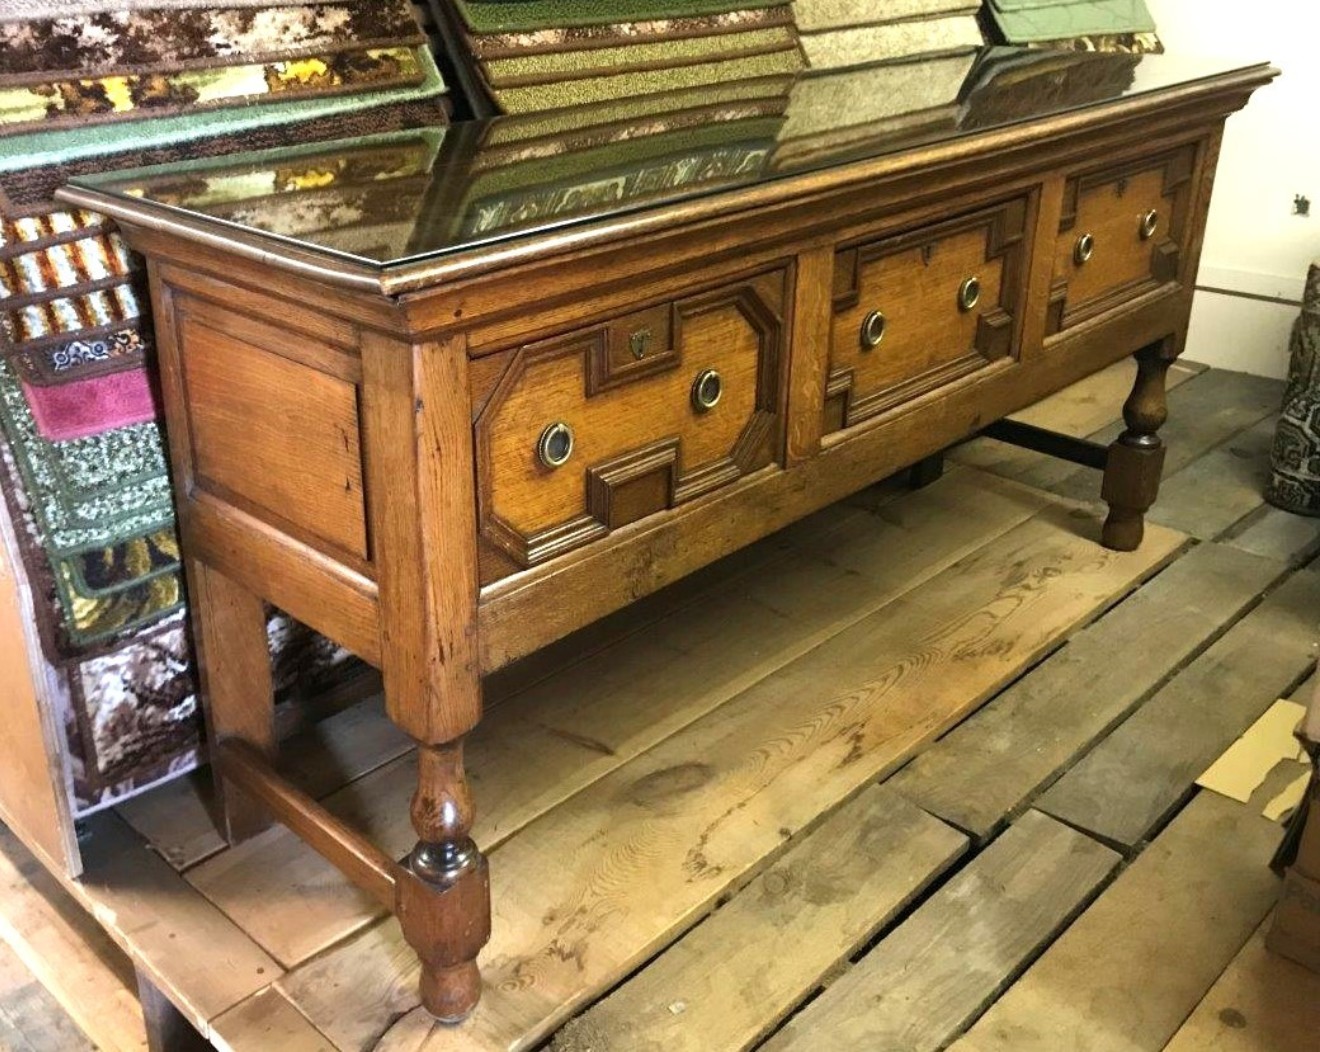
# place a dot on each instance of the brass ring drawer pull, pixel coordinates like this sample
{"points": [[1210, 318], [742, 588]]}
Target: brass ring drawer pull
{"points": [[1084, 249], [1150, 223], [555, 445], [969, 294], [873, 330], [707, 390]]}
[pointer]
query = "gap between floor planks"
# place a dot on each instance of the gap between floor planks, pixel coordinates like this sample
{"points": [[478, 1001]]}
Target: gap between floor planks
{"points": [[1262, 1003], [68, 951], [1126, 974], [1125, 787], [996, 762]]}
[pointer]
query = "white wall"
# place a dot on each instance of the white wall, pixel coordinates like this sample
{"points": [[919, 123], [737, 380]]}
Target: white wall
{"points": [[1256, 250]]}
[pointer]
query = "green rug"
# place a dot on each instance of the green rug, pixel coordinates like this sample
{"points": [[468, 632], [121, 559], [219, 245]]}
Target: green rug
{"points": [[502, 16], [648, 82], [1025, 21], [73, 103], [547, 67], [558, 38], [32, 150]]}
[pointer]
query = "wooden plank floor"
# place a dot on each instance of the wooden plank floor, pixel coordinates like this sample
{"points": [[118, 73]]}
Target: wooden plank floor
{"points": [[916, 773]]}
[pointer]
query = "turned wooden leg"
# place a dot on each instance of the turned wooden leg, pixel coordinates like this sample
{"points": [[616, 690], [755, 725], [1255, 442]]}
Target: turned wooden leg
{"points": [[1136, 460], [445, 908], [234, 682], [421, 485]]}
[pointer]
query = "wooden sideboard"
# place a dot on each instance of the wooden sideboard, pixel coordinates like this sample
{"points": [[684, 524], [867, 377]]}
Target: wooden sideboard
{"points": [[447, 401]]}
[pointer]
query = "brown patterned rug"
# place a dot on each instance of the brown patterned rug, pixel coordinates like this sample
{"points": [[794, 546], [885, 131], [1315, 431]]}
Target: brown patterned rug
{"points": [[156, 42], [93, 87]]}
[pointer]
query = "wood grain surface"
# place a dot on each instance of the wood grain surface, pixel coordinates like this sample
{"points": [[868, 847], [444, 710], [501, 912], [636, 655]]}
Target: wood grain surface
{"points": [[1150, 947], [931, 976], [563, 733], [699, 811], [731, 979], [986, 769], [1130, 782]]}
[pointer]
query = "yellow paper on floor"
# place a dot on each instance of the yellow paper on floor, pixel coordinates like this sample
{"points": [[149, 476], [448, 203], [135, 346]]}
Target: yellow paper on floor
{"points": [[1241, 770]]}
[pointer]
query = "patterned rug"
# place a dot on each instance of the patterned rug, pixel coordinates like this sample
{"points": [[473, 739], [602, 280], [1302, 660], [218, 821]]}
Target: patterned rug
{"points": [[844, 34], [26, 10], [502, 16], [105, 139], [568, 176], [362, 195], [891, 103], [1122, 26], [67, 102], [113, 86], [154, 43], [1014, 84], [1027, 21], [533, 56], [815, 16]]}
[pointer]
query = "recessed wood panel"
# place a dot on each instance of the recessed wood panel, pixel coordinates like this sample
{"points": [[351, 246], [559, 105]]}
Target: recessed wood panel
{"points": [[277, 437], [640, 445], [1109, 206], [915, 281]]}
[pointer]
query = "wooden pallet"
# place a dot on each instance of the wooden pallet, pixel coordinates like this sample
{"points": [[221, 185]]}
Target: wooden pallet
{"points": [[699, 815]]}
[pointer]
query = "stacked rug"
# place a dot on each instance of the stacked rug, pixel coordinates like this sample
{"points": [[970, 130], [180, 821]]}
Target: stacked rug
{"points": [[478, 182], [843, 33], [888, 105], [103, 85], [537, 55]]}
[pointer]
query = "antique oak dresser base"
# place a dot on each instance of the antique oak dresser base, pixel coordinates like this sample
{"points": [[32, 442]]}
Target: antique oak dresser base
{"points": [[359, 447]]}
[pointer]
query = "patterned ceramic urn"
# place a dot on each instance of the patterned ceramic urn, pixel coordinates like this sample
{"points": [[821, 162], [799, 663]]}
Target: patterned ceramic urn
{"points": [[1295, 481]]}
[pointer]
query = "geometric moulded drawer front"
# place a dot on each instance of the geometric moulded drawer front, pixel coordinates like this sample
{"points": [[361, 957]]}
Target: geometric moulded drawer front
{"points": [[1122, 233], [920, 309], [588, 432]]}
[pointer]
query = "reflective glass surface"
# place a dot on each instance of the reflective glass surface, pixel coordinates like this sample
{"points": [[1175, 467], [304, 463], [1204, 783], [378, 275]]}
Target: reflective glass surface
{"points": [[388, 200]]}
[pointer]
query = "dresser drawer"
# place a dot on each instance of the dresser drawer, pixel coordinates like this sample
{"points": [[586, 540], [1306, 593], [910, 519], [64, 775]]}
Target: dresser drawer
{"points": [[920, 309], [1122, 233], [591, 431]]}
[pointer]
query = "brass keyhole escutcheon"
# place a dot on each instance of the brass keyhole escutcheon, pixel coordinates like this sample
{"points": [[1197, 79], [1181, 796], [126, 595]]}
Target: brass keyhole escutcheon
{"points": [[1084, 249], [639, 343], [1150, 223], [555, 445], [707, 390], [873, 330], [969, 294]]}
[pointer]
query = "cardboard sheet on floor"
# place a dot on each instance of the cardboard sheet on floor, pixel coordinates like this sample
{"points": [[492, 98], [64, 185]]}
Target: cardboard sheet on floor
{"points": [[1270, 740]]}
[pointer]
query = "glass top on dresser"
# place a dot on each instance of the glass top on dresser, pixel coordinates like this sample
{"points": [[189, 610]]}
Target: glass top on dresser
{"points": [[400, 198]]}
